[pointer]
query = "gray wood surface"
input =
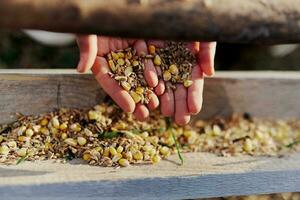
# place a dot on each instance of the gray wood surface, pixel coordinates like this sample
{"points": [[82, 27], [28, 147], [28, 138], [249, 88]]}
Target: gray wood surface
{"points": [[265, 94], [243, 21]]}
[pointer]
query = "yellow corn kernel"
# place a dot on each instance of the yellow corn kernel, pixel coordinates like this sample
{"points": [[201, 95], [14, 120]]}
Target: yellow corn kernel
{"points": [[135, 63], [22, 138], [129, 55], [116, 157], [75, 127], [22, 152], [164, 150], [136, 97], [44, 122], [128, 71], [112, 150], [217, 130], [120, 149], [64, 136], [106, 152], [124, 162], [139, 90], [53, 130], [71, 142], [48, 145], [248, 146], [55, 123], [36, 128], [173, 69], [86, 157], [63, 126], [29, 132], [93, 115], [151, 49], [157, 60], [126, 85], [121, 61], [4, 150], [128, 155], [155, 159], [44, 131], [115, 56], [81, 141], [121, 55], [138, 155], [187, 83], [87, 132], [167, 75], [112, 65], [1, 138], [152, 152], [21, 130]]}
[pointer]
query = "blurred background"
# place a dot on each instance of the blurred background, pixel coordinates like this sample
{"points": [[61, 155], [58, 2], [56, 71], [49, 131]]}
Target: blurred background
{"points": [[19, 50]]}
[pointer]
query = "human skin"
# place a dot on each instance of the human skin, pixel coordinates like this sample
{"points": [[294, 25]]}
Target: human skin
{"points": [[180, 104]]}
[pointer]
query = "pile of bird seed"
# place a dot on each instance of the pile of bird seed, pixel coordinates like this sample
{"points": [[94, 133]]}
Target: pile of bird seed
{"points": [[106, 136], [175, 62]]}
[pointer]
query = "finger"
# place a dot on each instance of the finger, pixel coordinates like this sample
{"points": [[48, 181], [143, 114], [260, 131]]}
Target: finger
{"points": [[160, 88], [167, 103], [182, 115], [156, 43], [141, 112], [193, 47], [108, 44], [206, 57], [149, 71], [195, 91], [111, 87], [88, 52], [154, 102]]}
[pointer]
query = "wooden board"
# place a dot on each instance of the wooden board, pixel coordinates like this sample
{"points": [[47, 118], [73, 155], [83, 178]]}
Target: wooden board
{"points": [[265, 94]]}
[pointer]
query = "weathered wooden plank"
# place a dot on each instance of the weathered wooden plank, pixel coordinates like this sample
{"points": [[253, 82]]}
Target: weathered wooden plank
{"points": [[255, 21], [265, 94], [202, 175]]}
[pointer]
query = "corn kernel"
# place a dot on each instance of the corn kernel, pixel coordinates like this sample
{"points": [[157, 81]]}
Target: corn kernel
{"points": [[93, 115], [22, 138], [138, 155], [63, 126], [4, 150], [120, 149], [12, 144], [115, 56], [248, 146], [112, 151], [106, 152], [71, 142], [121, 61], [126, 85], [164, 150], [152, 152], [128, 71], [21, 130], [22, 152], [53, 130], [128, 155], [121, 55], [124, 162], [81, 141], [173, 69], [116, 157], [29, 132], [136, 97], [155, 159], [75, 127], [217, 130], [44, 122], [167, 75], [87, 132], [44, 131], [139, 90], [135, 63], [86, 157], [112, 65], [36, 128], [64, 136], [55, 122], [157, 60], [187, 83], [151, 49], [1, 138]]}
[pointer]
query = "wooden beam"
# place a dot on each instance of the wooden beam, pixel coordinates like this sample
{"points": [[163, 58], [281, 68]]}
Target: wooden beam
{"points": [[247, 21]]}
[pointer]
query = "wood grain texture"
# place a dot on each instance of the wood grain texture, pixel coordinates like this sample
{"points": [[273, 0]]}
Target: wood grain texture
{"points": [[264, 94], [202, 175], [246, 21]]}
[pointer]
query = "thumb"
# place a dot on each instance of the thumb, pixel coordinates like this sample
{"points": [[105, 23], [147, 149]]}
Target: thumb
{"points": [[88, 51], [206, 57]]}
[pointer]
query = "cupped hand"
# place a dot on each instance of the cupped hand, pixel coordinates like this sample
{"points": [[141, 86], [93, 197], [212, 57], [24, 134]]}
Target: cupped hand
{"points": [[184, 102], [92, 51]]}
